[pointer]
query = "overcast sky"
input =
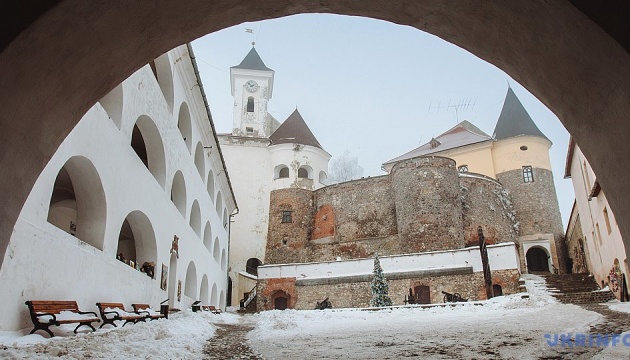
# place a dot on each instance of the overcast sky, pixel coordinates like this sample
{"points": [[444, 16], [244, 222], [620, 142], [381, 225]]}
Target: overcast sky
{"points": [[373, 88]]}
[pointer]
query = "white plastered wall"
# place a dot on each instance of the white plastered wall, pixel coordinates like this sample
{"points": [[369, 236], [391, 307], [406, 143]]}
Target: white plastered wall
{"points": [[44, 262]]}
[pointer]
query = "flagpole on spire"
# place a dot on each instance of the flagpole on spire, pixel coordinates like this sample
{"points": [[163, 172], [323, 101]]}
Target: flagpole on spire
{"points": [[251, 31]]}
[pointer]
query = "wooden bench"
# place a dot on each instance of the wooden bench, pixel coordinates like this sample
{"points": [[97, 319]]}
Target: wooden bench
{"points": [[211, 308], [145, 309], [111, 312], [48, 313]]}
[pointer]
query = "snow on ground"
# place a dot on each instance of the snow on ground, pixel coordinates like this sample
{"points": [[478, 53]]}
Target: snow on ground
{"points": [[182, 336], [619, 306], [503, 327]]}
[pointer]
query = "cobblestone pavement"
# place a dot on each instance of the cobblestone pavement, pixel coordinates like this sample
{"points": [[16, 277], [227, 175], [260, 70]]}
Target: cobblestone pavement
{"points": [[230, 343]]}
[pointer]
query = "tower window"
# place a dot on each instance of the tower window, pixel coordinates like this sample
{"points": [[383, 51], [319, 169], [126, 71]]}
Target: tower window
{"points": [[249, 130], [250, 104], [286, 217], [463, 169], [302, 173], [284, 172], [528, 174]]}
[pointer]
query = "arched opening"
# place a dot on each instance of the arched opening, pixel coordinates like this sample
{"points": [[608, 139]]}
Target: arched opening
{"points": [[146, 141], [172, 280], [214, 296], [281, 172], [161, 68], [229, 292], [200, 160], [251, 267], [210, 185], [178, 193], [497, 290], [280, 300], [222, 300], [537, 260], [250, 104], [190, 287], [216, 251], [77, 203], [185, 125], [204, 290], [303, 173], [323, 178], [113, 105], [223, 260], [226, 219], [137, 246], [195, 218], [219, 203], [207, 237]]}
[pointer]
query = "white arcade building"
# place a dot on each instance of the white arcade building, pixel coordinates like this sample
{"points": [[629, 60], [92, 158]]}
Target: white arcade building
{"points": [[133, 207], [263, 155]]}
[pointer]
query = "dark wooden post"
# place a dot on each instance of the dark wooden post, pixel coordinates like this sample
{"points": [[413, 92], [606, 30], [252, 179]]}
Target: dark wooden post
{"points": [[487, 275]]}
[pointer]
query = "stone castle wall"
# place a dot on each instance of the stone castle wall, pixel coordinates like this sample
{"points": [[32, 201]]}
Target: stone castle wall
{"points": [[428, 205], [487, 204], [286, 241], [536, 206], [358, 294]]}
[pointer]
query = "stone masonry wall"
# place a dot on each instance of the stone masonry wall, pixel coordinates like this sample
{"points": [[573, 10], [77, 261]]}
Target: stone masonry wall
{"points": [[358, 294], [428, 205], [536, 206], [286, 241], [487, 204], [362, 209]]}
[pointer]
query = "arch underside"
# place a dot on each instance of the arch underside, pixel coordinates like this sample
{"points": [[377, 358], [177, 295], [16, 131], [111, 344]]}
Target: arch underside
{"points": [[555, 51]]}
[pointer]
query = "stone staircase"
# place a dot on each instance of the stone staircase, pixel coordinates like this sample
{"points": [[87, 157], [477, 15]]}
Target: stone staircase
{"points": [[576, 289]]}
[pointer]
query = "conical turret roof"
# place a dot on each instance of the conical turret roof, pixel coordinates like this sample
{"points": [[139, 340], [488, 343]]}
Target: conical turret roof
{"points": [[294, 131], [252, 61], [514, 120]]}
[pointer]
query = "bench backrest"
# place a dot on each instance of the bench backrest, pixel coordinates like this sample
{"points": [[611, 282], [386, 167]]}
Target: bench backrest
{"points": [[138, 307], [102, 306], [52, 307]]}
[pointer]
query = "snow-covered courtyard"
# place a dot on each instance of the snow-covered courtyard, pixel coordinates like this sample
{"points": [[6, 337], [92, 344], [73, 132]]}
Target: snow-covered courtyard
{"points": [[507, 327]]}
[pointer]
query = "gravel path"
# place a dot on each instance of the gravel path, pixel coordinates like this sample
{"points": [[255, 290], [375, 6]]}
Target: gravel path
{"points": [[230, 343]]}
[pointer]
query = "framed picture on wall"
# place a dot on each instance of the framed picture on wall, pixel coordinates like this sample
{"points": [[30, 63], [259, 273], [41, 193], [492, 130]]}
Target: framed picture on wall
{"points": [[164, 277]]}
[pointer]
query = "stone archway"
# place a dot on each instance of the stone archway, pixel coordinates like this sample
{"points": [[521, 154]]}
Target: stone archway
{"points": [[553, 49]]}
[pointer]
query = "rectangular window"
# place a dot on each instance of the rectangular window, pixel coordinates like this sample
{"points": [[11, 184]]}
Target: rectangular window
{"points": [[528, 174], [286, 216], [607, 220], [249, 129]]}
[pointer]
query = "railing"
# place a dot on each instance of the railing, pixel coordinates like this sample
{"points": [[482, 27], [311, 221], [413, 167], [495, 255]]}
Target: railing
{"points": [[251, 295]]}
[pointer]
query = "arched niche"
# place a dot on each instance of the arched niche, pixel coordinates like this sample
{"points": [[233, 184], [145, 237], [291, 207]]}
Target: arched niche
{"points": [[281, 171], [210, 185], [214, 296], [216, 250], [226, 218], [137, 243], [78, 204], [147, 143], [162, 70], [200, 160], [190, 287], [219, 203], [323, 178], [178, 192], [195, 218], [207, 237], [113, 105], [223, 259], [185, 125], [204, 290], [222, 300], [305, 172]]}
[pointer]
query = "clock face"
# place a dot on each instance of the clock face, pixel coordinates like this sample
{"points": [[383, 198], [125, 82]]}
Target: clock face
{"points": [[251, 86]]}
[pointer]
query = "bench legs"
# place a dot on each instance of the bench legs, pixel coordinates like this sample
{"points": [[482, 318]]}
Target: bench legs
{"points": [[108, 321], [45, 328], [86, 324]]}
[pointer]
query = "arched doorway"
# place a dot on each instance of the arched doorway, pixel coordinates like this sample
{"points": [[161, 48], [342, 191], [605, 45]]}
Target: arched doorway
{"points": [[537, 260], [137, 246], [497, 290]]}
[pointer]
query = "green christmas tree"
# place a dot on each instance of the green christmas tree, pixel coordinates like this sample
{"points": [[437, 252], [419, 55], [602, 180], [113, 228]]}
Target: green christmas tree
{"points": [[380, 287]]}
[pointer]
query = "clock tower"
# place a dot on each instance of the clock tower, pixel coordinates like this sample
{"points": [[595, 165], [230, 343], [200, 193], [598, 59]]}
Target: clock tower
{"points": [[252, 87]]}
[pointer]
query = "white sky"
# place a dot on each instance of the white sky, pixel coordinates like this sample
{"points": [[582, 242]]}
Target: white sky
{"points": [[371, 87]]}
